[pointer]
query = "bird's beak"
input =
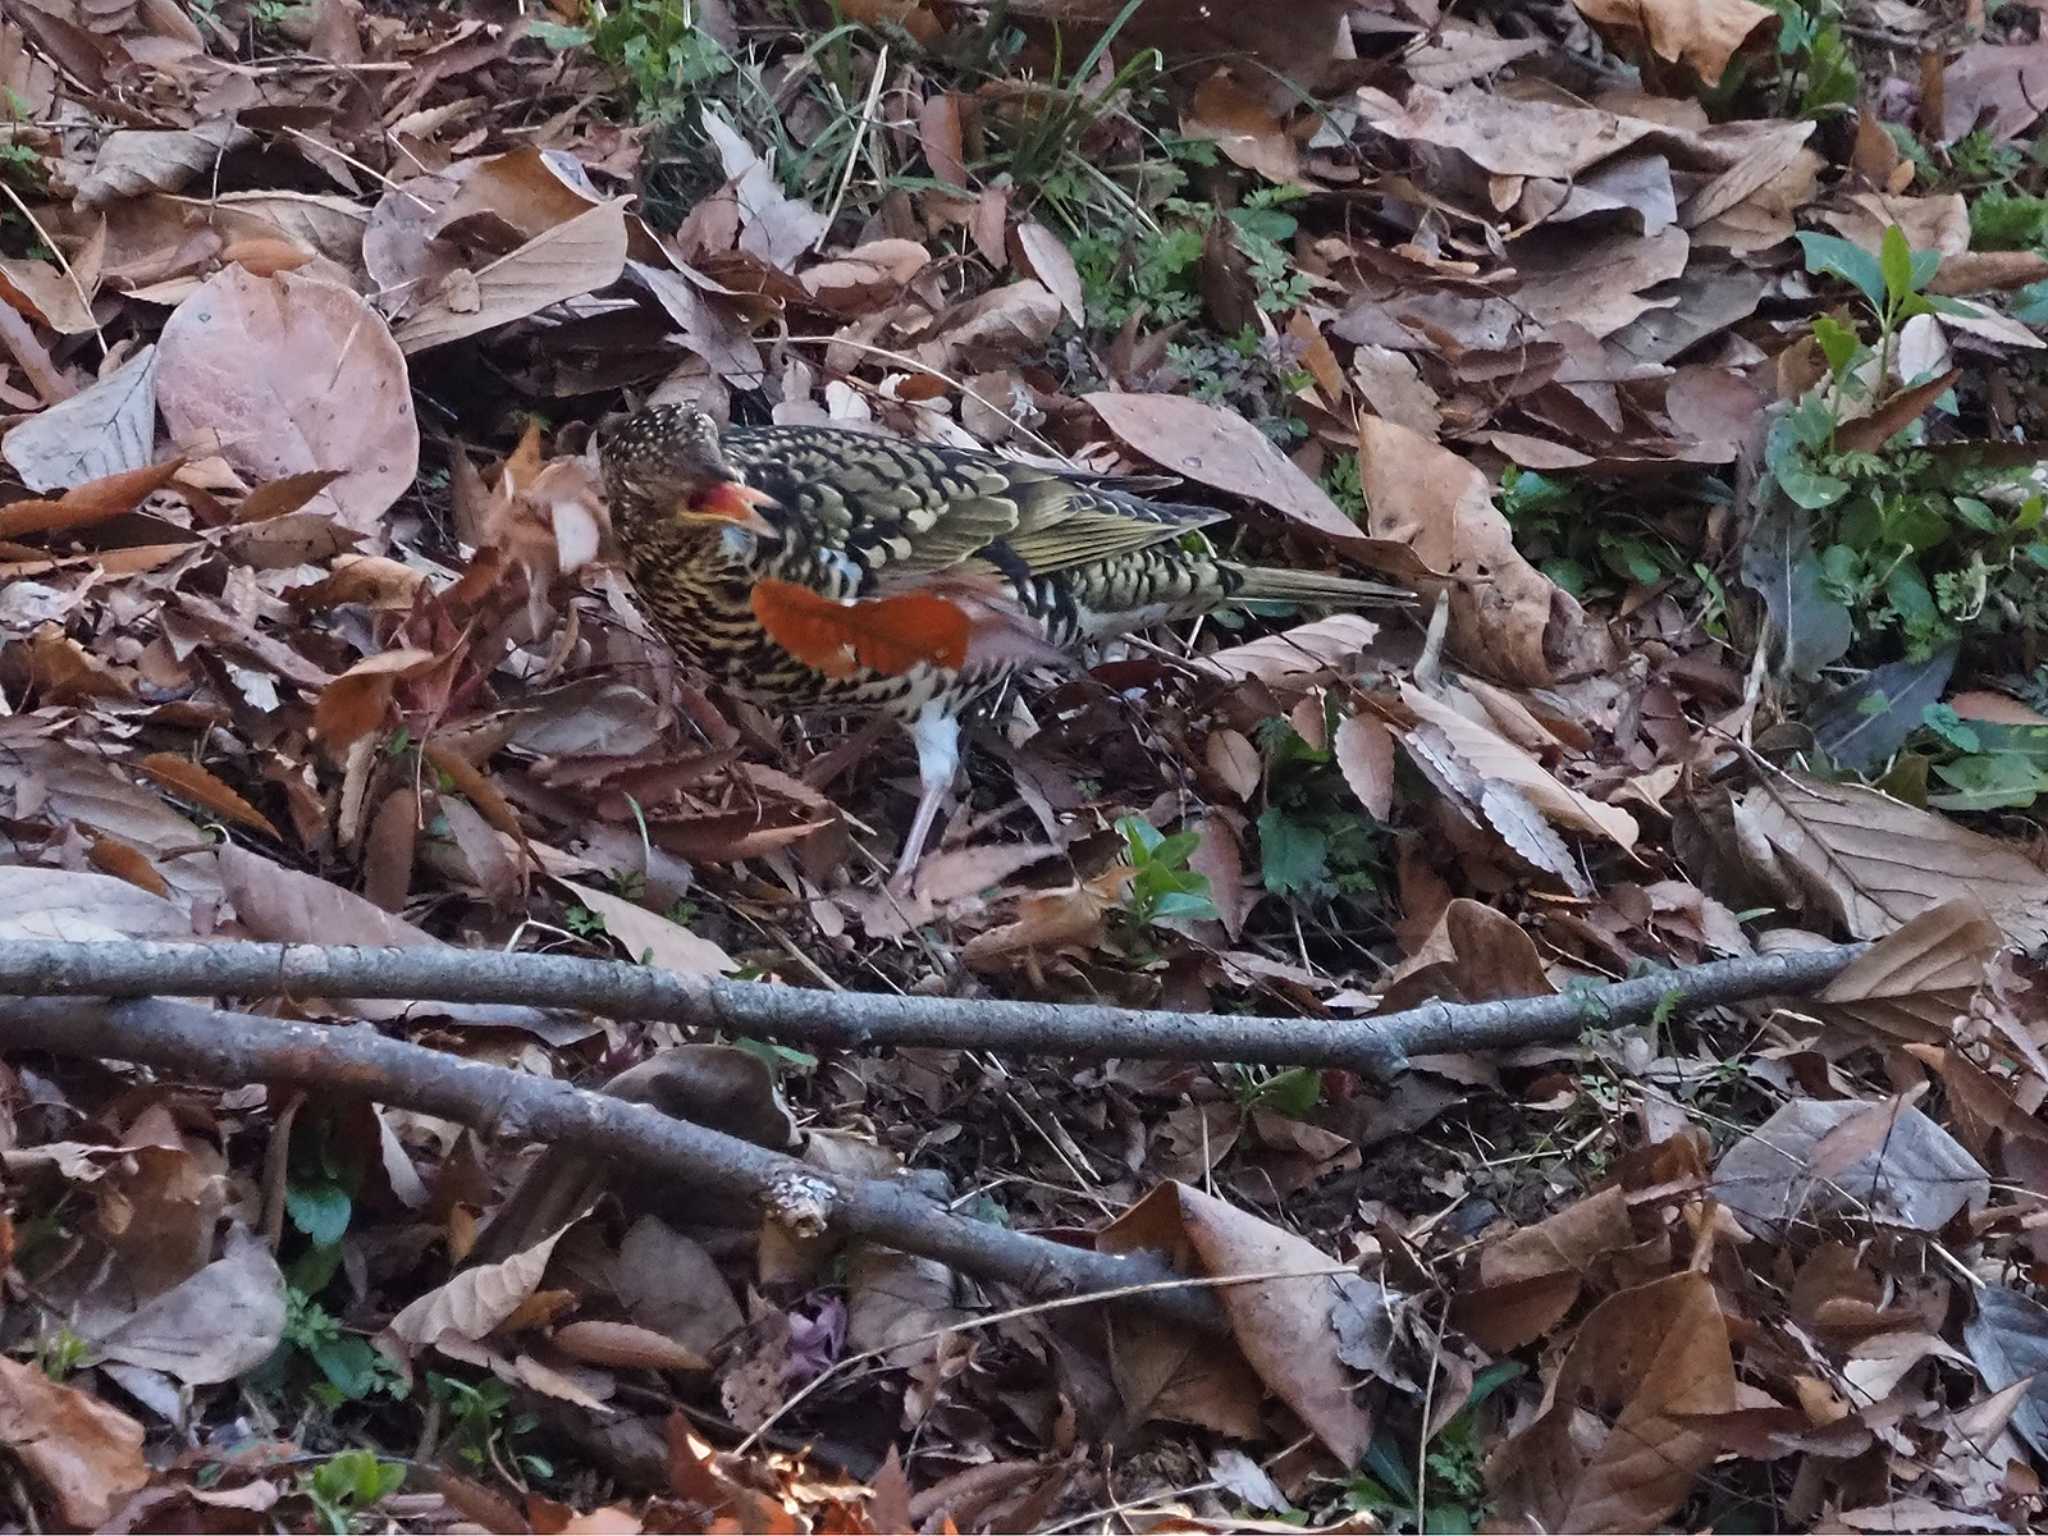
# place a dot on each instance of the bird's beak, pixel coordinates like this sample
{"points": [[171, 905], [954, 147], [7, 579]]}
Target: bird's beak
{"points": [[734, 502]]}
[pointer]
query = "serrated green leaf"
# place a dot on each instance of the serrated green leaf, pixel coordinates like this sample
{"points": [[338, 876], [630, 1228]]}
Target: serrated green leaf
{"points": [[1895, 262]]}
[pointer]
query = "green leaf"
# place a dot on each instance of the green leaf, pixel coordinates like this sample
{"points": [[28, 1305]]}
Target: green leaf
{"points": [[1943, 720], [1292, 1093], [1836, 257], [1140, 836], [557, 36], [321, 1211], [1294, 854], [1838, 343], [1989, 783], [1895, 261], [1192, 905], [1778, 562]]}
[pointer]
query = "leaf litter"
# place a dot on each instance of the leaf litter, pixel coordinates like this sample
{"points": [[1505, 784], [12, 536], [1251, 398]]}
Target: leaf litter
{"points": [[312, 629]]}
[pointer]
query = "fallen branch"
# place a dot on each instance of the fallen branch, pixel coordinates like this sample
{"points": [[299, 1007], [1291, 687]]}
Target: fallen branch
{"points": [[1374, 1047], [229, 1050]]}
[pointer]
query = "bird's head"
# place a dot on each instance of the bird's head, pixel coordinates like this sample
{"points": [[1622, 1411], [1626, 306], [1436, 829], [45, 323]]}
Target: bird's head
{"points": [[665, 464]]}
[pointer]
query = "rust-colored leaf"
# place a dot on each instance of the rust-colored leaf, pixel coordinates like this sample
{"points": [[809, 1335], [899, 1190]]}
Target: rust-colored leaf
{"points": [[186, 778], [97, 501]]}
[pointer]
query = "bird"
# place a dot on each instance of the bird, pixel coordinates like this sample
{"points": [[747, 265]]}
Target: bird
{"points": [[827, 569]]}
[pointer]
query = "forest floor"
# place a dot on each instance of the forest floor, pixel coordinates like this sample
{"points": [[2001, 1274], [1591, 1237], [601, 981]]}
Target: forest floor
{"points": [[1692, 376]]}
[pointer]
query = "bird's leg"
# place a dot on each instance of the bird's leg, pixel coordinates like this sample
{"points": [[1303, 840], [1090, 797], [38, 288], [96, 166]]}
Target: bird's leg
{"points": [[936, 731]]}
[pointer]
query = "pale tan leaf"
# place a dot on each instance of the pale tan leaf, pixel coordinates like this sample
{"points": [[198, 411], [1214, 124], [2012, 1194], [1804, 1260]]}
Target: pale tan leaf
{"points": [[1283, 1326], [645, 935], [1915, 983], [1660, 1353], [1365, 756], [580, 256], [289, 375], [1046, 257], [102, 430], [476, 1301], [1506, 617], [76, 907], [626, 1346], [1297, 655], [1495, 757], [1874, 863]]}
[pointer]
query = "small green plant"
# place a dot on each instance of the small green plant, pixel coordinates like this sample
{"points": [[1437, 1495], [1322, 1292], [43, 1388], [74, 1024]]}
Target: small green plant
{"points": [[480, 1429], [655, 44], [1908, 541], [1450, 1499], [1289, 1091], [1555, 526], [1341, 480], [61, 1352], [1816, 69], [1314, 841], [351, 1368], [341, 1488], [1163, 886], [584, 923]]}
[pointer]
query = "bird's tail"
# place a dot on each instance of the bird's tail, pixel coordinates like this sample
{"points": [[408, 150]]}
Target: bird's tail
{"points": [[1277, 584]]}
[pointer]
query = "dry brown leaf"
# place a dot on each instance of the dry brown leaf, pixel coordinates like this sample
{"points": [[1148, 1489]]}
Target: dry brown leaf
{"points": [[580, 256], [1045, 256], [1874, 863], [288, 376], [101, 430], [1497, 758], [1220, 449], [133, 162], [1474, 954], [83, 506], [86, 1454], [1914, 983], [40, 290], [1650, 1358], [1240, 124], [78, 907], [355, 703], [281, 498], [476, 1301], [286, 906], [1234, 760], [774, 226], [1506, 616], [1284, 1327], [654, 939], [1704, 34], [184, 777], [1530, 1279], [1365, 756], [2000, 89], [1816, 1158], [1297, 655], [626, 1345], [213, 1326]]}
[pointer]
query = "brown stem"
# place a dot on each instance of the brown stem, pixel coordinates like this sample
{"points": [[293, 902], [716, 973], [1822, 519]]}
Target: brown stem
{"points": [[1375, 1047]]}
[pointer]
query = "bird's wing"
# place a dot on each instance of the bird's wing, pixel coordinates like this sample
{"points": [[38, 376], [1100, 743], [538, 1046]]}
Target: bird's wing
{"points": [[917, 508]]}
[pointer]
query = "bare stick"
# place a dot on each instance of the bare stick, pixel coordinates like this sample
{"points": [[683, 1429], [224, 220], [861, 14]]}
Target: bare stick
{"points": [[231, 1049], [1375, 1047]]}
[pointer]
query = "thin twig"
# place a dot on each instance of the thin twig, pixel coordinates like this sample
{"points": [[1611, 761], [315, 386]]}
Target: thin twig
{"points": [[232, 1049], [1374, 1047]]}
